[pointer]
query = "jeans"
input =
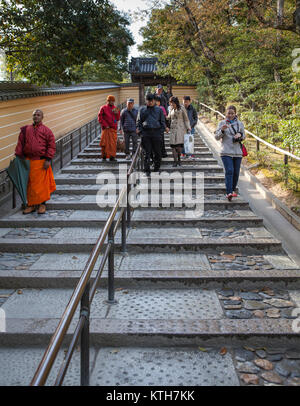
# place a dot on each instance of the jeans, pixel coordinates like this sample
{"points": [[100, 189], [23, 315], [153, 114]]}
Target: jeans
{"points": [[232, 167], [134, 137], [183, 152]]}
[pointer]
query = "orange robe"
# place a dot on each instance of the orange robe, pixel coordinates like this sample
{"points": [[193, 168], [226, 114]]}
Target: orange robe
{"points": [[41, 183], [108, 143]]}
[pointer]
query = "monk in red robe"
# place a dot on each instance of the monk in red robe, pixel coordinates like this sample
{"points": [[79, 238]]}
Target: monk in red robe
{"points": [[108, 117], [37, 143]]}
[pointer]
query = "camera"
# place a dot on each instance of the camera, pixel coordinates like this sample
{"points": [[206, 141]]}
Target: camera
{"points": [[237, 139]]}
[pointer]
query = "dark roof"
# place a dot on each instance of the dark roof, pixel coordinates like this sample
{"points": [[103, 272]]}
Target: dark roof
{"points": [[16, 90], [143, 65]]}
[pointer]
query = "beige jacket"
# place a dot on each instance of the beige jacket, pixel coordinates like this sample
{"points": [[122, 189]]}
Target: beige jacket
{"points": [[180, 124]]}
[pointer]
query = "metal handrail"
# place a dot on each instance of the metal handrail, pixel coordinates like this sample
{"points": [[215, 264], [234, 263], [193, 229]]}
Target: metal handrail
{"points": [[282, 151], [65, 321], [85, 294]]}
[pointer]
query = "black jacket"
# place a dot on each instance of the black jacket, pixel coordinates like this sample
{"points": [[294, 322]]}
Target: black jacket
{"points": [[151, 118], [192, 114]]}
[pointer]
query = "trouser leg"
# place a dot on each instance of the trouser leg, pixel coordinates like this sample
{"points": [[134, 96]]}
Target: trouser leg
{"points": [[228, 166], [156, 147], [163, 147], [134, 142], [127, 141], [147, 146], [236, 172]]}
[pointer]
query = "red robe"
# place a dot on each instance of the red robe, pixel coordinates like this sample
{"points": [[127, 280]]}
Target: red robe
{"points": [[37, 145], [108, 142]]}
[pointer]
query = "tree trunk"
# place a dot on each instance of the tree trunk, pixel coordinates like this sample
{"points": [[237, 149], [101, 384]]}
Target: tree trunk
{"points": [[280, 18]]}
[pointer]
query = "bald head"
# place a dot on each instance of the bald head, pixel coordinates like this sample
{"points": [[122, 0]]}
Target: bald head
{"points": [[37, 116]]}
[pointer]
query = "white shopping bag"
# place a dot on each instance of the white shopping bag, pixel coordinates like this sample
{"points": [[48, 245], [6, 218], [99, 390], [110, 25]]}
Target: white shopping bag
{"points": [[188, 143]]}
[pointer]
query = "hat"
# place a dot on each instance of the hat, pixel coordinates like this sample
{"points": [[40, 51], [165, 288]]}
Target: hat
{"points": [[130, 100], [111, 98], [159, 87]]}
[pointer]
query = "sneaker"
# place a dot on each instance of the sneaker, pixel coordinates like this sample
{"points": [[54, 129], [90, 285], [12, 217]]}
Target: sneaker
{"points": [[164, 155], [112, 159], [229, 197], [234, 194]]}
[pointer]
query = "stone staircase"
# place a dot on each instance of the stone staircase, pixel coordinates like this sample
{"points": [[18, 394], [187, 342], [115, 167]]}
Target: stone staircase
{"points": [[201, 301]]}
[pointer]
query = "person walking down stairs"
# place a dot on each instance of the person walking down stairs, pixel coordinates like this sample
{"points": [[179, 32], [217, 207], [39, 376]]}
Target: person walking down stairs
{"points": [[151, 123], [108, 117], [231, 132], [180, 125], [128, 127]]}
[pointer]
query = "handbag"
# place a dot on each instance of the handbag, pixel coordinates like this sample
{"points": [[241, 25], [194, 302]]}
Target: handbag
{"points": [[244, 149], [120, 145], [188, 143]]}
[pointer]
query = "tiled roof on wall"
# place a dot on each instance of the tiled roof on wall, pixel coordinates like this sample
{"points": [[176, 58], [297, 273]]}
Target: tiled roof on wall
{"points": [[16, 90]]}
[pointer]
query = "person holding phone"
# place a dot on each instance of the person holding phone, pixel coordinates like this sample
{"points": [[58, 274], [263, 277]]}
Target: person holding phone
{"points": [[231, 132]]}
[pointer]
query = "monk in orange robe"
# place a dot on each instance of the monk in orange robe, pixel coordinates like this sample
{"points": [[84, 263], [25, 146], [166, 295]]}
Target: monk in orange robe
{"points": [[37, 143], [108, 117]]}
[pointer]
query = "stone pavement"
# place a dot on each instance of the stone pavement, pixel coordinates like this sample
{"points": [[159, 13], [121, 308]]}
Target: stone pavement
{"points": [[196, 296]]}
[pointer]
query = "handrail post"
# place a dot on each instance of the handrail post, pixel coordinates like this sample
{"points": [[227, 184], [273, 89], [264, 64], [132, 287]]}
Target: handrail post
{"points": [[124, 229], [14, 197], [80, 139], [61, 153], [85, 338], [71, 145], [128, 208], [286, 161], [86, 134], [257, 145], [111, 266]]}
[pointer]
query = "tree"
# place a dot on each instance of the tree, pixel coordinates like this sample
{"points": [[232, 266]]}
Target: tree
{"points": [[48, 39], [236, 50]]}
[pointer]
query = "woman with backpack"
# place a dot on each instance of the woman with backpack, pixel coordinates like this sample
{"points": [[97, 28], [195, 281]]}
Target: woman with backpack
{"points": [[231, 132], [180, 125]]}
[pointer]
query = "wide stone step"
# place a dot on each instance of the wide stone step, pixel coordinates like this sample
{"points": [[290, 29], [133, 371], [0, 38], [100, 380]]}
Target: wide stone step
{"points": [[114, 167], [83, 202], [197, 149], [90, 179], [93, 155], [69, 189], [165, 161], [150, 366], [68, 243], [153, 270], [153, 317], [145, 218], [181, 279]]}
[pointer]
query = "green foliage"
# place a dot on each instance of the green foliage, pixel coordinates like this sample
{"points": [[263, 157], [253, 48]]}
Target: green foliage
{"points": [[46, 40], [236, 53], [289, 130], [283, 171], [296, 180]]}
